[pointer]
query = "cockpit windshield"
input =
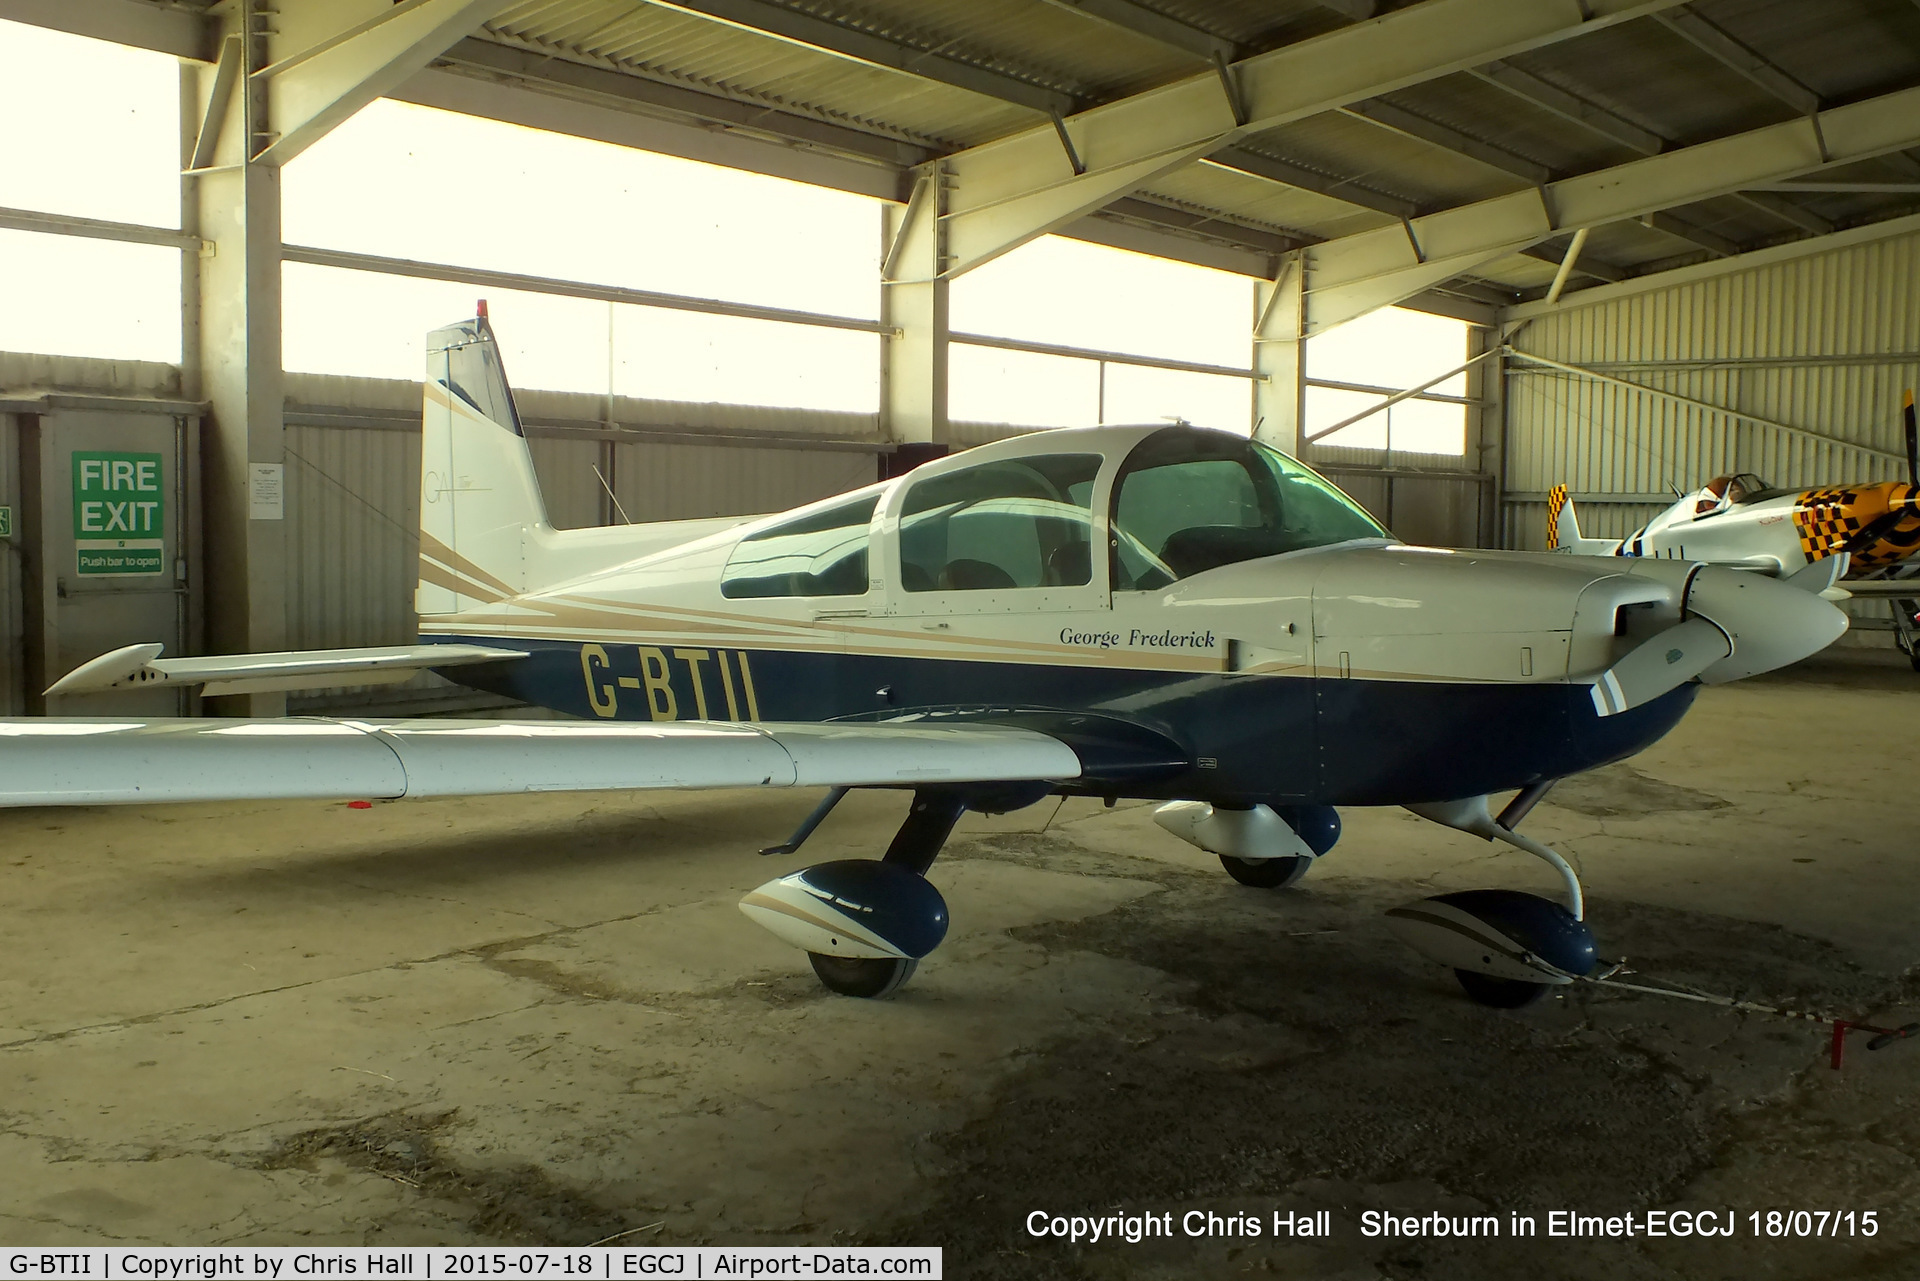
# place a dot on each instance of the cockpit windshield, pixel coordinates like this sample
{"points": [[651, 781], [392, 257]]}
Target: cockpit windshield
{"points": [[1188, 500], [1725, 492]]}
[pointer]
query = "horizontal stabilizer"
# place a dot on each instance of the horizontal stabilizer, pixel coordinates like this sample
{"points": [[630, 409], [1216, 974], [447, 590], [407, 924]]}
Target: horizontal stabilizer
{"points": [[1662, 663], [141, 667], [1883, 588], [132, 762]]}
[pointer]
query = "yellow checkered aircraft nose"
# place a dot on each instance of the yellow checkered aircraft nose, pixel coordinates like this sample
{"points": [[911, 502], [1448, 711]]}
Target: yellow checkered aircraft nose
{"points": [[1879, 524]]}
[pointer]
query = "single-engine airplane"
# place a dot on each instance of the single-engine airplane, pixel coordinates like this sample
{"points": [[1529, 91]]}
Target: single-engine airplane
{"points": [[1867, 535], [1159, 612]]}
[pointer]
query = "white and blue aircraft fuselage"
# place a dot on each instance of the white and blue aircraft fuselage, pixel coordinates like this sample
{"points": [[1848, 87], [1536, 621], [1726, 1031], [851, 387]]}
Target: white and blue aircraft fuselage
{"points": [[1168, 613]]}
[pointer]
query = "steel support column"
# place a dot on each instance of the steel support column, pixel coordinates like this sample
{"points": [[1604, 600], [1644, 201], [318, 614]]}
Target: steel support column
{"points": [[1279, 356], [913, 368], [234, 205], [284, 75]]}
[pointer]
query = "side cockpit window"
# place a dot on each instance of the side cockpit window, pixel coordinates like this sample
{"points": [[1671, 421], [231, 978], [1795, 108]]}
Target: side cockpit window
{"points": [[821, 554], [1187, 501], [1021, 522]]}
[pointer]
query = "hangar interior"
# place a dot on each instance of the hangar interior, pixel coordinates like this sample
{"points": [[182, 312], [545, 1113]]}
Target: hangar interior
{"points": [[1738, 175], [1672, 240]]}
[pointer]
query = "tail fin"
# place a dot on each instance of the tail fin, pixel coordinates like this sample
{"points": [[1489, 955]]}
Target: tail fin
{"points": [[1563, 525], [484, 532], [1563, 529], [479, 498]]}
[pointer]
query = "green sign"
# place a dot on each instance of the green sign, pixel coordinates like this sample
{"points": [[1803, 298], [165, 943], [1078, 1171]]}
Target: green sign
{"points": [[119, 512], [6, 522]]}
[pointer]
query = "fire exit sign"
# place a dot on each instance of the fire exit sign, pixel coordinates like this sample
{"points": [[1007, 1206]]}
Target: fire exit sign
{"points": [[6, 522], [119, 512]]}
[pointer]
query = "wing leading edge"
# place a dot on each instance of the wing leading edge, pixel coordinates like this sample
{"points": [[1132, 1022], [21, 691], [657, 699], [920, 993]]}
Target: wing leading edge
{"points": [[141, 667], [134, 762]]}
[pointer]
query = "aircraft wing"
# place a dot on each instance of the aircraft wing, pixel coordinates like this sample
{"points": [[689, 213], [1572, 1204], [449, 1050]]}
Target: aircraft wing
{"points": [[118, 762]]}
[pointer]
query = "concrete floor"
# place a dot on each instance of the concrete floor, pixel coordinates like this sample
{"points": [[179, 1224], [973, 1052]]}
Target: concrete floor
{"points": [[542, 1020]]}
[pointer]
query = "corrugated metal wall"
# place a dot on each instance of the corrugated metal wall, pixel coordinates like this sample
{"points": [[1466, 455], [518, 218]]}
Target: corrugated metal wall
{"points": [[11, 695], [1825, 342], [353, 535], [661, 481], [1432, 499]]}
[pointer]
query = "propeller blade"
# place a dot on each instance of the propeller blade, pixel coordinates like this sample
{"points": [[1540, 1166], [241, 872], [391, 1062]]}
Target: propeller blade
{"points": [[1913, 441], [1664, 662]]}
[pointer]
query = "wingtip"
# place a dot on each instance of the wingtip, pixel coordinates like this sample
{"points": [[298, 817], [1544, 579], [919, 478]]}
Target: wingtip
{"points": [[104, 672]]}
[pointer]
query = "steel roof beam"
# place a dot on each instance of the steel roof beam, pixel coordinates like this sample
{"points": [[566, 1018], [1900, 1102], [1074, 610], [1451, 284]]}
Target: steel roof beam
{"points": [[1402, 121], [144, 26], [770, 19], [1357, 10], [1724, 49], [1359, 273], [1012, 190], [1157, 27], [1570, 107], [1253, 164]]}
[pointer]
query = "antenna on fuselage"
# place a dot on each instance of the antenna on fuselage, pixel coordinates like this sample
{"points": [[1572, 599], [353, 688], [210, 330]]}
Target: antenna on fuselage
{"points": [[611, 496]]}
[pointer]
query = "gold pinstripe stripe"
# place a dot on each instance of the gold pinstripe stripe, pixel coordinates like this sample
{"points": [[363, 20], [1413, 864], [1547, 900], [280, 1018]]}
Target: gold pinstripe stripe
{"points": [[431, 546]]}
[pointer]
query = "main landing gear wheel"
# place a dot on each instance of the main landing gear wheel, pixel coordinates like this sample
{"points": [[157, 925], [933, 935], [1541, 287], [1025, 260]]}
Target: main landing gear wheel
{"points": [[885, 911], [862, 976], [1266, 873], [1498, 993]]}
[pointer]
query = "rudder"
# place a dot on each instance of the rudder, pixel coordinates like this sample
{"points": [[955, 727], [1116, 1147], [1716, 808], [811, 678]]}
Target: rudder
{"points": [[479, 498]]}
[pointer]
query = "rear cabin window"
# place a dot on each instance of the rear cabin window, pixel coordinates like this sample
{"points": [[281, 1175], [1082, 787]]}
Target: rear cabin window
{"points": [[1020, 522], [822, 554], [1187, 501]]}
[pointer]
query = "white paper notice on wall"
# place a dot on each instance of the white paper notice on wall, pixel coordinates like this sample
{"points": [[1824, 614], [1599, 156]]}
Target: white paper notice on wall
{"points": [[266, 495]]}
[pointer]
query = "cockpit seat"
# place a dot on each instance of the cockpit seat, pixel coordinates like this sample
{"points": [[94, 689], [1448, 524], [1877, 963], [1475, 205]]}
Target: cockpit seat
{"points": [[974, 576], [1202, 547], [1070, 565]]}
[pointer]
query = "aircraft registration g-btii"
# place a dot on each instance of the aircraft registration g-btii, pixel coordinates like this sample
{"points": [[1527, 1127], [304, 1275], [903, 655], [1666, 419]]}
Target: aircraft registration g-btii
{"points": [[1167, 613], [1867, 535]]}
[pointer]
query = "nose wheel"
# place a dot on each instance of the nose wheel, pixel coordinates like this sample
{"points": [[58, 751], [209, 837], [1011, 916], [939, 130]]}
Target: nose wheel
{"points": [[862, 976], [1266, 873], [1507, 948], [1497, 993]]}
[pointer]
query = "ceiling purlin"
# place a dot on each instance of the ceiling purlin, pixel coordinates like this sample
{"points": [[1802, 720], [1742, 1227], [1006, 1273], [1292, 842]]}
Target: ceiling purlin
{"points": [[1287, 173], [1680, 229], [1570, 107], [1388, 115], [1731, 53], [1171, 33], [527, 59], [937, 64]]}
